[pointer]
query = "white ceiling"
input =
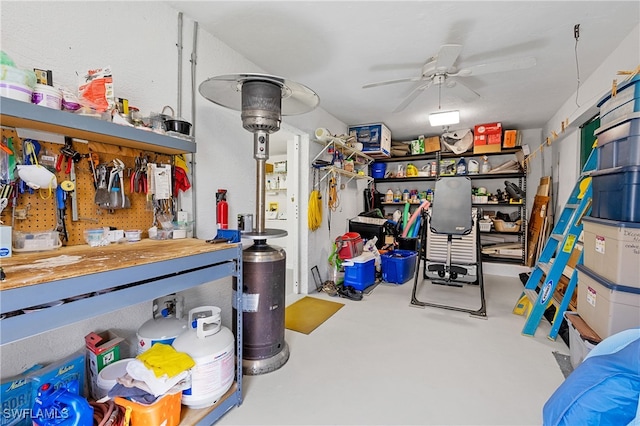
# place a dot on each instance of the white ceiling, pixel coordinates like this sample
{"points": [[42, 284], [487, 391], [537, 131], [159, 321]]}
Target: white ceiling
{"points": [[335, 48]]}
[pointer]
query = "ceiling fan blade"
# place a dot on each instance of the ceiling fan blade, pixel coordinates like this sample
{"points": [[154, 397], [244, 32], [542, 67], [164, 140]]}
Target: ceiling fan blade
{"points": [[461, 91], [447, 56], [384, 83], [501, 66], [412, 96]]}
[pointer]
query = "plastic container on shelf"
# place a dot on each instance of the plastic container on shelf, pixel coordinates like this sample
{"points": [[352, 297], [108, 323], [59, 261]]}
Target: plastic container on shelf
{"points": [[378, 170], [47, 96], [17, 91], [616, 193], [611, 249], [36, 241], [619, 143], [164, 411], [606, 307], [626, 101]]}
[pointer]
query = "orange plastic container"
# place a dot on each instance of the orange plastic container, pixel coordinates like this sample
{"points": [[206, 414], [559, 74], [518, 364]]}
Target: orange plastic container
{"points": [[165, 411]]}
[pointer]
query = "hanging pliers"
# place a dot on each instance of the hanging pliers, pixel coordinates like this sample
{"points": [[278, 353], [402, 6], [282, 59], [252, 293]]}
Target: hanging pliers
{"points": [[138, 180], [69, 153]]}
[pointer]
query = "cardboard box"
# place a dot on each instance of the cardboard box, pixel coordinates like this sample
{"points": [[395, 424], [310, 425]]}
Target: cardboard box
{"points": [[432, 144], [15, 394], [59, 373], [5, 241], [102, 349], [375, 139], [511, 139], [487, 138]]}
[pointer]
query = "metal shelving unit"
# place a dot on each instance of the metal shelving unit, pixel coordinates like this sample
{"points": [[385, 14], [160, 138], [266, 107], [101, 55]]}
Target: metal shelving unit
{"points": [[127, 285], [430, 180]]}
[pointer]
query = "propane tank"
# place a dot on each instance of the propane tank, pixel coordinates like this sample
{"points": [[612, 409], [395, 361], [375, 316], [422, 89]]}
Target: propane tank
{"points": [[222, 209], [167, 323], [212, 348]]}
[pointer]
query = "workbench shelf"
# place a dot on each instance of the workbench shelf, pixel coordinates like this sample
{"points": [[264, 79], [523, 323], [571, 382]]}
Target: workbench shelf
{"points": [[20, 114], [95, 286], [132, 273]]}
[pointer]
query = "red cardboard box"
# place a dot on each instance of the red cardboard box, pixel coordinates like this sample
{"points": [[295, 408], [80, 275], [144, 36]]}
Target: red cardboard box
{"points": [[487, 138]]}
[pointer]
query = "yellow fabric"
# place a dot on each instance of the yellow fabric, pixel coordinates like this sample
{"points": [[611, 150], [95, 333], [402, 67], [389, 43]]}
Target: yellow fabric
{"points": [[164, 359]]}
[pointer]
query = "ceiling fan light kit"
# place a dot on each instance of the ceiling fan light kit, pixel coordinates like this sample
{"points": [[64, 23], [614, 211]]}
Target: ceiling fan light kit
{"points": [[444, 118], [441, 70]]}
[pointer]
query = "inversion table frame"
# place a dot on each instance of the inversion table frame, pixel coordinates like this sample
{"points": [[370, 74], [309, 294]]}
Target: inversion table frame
{"points": [[452, 220]]}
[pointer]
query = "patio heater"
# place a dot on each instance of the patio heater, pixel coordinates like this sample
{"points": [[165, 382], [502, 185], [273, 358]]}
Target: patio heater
{"points": [[262, 100]]}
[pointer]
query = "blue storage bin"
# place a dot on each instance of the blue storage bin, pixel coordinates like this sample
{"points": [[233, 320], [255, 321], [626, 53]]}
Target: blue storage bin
{"points": [[619, 143], [378, 170], [616, 194], [360, 272], [626, 101], [398, 266]]}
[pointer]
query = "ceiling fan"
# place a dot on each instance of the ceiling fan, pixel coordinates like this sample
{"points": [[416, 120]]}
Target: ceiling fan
{"points": [[440, 71]]}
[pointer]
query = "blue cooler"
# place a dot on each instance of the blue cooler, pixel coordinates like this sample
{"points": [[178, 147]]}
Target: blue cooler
{"points": [[360, 272], [398, 266]]}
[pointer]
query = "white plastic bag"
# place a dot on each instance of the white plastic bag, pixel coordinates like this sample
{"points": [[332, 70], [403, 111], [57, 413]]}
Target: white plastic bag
{"points": [[457, 142]]}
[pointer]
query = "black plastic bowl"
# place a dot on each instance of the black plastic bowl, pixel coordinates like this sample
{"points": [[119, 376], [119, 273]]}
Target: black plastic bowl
{"points": [[180, 126]]}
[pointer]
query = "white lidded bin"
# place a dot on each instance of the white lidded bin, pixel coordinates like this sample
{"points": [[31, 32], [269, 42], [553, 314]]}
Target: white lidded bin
{"points": [[212, 348], [612, 250], [47, 96], [606, 307], [108, 376]]}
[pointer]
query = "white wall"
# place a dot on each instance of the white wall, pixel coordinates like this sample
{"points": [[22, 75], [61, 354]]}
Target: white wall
{"points": [[566, 148], [138, 40]]}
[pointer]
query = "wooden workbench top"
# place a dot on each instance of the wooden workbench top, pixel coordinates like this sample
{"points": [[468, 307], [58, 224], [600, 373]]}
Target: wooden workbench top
{"points": [[30, 268]]}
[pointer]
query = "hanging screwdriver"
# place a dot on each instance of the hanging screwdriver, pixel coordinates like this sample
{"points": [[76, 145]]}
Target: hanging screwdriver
{"points": [[61, 197]]}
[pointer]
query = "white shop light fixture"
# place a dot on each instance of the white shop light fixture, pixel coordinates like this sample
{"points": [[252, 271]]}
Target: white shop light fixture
{"points": [[444, 118]]}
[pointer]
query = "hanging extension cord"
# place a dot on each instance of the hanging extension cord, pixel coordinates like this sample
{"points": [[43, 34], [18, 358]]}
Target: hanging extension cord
{"points": [[333, 201]]}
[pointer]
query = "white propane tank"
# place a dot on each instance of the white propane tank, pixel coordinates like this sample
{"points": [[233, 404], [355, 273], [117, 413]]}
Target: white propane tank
{"points": [[212, 348], [167, 323]]}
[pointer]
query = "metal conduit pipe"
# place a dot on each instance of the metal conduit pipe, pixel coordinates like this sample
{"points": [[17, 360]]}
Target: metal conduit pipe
{"points": [[179, 45], [194, 56]]}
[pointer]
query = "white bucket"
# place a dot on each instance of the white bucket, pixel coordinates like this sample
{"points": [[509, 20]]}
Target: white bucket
{"points": [[47, 96], [15, 91], [108, 376]]}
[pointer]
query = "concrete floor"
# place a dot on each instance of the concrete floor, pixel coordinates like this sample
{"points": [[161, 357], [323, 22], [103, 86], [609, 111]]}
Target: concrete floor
{"points": [[380, 361]]}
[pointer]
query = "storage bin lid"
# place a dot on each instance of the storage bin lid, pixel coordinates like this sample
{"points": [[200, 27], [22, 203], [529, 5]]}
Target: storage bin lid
{"points": [[605, 282], [609, 222], [623, 86], [620, 132]]}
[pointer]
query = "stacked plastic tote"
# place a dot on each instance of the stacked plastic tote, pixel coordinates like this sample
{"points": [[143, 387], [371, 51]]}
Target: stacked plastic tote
{"points": [[609, 278]]}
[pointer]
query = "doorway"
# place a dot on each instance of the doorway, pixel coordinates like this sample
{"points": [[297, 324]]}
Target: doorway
{"points": [[282, 199]]}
